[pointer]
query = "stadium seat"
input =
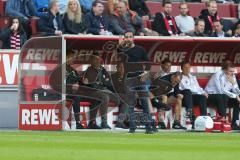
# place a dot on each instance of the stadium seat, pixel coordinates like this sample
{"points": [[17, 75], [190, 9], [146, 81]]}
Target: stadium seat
{"points": [[154, 7], [195, 9], [34, 22], [224, 10], [4, 22], [2, 7]]}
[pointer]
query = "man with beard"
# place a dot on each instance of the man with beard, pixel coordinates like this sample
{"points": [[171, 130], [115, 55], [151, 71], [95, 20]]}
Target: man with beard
{"points": [[164, 23]]}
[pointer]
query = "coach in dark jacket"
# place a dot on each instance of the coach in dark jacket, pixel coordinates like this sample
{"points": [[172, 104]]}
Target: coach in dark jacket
{"points": [[51, 23]]}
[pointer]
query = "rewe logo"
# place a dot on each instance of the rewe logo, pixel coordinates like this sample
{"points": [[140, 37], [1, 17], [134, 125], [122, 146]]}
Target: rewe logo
{"points": [[40, 117]]}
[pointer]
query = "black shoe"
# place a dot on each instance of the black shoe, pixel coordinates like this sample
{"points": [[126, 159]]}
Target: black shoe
{"points": [[161, 125], [149, 131], [177, 125], [131, 130], [154, 129], [105, 126], [159, 105], [235, 126], [93, 125], [79, 126]]}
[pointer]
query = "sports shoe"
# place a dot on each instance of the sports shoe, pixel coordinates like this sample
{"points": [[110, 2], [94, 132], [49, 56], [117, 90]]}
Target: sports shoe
{"points": [[161, 125], [177, 125], [93, 125], [149, 131], [235, 126], [79, 126], [131, 130]]}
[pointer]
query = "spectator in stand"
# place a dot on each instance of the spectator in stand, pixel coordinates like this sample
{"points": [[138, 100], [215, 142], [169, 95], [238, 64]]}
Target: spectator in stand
{"points": [[126, 20], [51, 23], [199, 29], [218, 30], [24, 9], [164, 23], [96, 21], [184, 22], [209, 15], [223, 90], [112, 5], [14, 36], [237, 31], [73, 20], [86, 5], [140, 7], [41, 7]]}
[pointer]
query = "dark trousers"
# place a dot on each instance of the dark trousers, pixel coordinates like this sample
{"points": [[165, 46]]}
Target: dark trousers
{"points": [[220, 101], [189, 100], [232, 102], [100, 103], [76, 106]]}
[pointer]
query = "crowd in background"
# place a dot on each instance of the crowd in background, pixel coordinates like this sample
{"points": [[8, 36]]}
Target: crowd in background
{"points": [[113, 17]]}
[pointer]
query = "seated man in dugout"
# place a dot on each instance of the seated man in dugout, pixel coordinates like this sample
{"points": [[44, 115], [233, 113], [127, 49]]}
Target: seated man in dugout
{"points": [[174, 97], [97, 78]]}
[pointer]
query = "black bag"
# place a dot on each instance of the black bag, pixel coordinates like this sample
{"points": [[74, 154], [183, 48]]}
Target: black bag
{"points": [[41, 94]]}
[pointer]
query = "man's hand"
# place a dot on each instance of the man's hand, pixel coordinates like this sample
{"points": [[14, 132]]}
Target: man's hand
{"points": [[205, 94], [180, 96], [238, 99], [75, 86], [58, 33], [85, 81]]}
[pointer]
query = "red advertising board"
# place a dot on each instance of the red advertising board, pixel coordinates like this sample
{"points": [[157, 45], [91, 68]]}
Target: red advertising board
{"points": [[8, 68], [40, 117], [199, 51]]}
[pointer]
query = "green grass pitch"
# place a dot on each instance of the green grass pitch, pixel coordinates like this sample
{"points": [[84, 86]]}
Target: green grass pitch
{"points": [[35, 145]]}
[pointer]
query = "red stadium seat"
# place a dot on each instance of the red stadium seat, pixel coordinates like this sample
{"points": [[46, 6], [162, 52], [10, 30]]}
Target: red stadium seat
{"points": [[234, 10], [154, 7], [203, 82], [195, 9], [4, 22], [224, 10], [34, 25], [2, 7]]}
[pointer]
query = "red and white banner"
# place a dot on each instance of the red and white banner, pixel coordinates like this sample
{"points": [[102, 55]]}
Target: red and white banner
{"points": [[199, 51], [8, 68], [40, 117]]}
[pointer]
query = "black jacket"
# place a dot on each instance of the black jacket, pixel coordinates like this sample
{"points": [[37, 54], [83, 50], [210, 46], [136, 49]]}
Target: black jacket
{"points": [[176, 89], [139, 6], [46, 25], [72, 27], [204, 15], [160, 27], [195, 34], [5, 36], [93, 23], [215, 35]]}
